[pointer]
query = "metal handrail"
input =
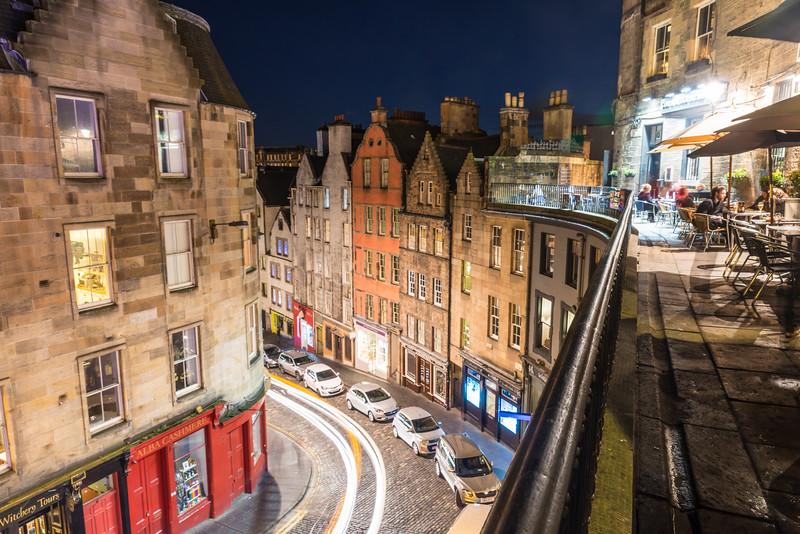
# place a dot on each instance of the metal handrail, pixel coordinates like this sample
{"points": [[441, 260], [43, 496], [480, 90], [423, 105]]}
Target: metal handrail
{"points": [[549, 485], [593, 199]]}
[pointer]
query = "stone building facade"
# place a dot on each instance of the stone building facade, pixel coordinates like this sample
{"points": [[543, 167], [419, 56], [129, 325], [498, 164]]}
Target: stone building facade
{"points": [[121, 369], [276, 285], [425, 247], [678, 65], [382, 161], [322, 259]]}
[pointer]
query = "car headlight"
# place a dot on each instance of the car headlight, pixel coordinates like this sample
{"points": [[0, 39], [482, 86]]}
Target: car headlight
{"points": [[378, 410], [469, 494]]}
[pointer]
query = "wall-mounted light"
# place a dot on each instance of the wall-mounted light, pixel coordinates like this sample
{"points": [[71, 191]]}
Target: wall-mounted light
{"points": [[685, 89], [669, 95], [647, 99], [213, 233]]}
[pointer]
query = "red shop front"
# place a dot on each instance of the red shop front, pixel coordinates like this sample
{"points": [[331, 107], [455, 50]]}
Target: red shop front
{"points": [[194, 470]]}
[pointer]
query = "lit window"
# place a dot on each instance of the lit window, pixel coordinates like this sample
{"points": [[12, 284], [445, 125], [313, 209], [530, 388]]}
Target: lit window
{"points": [[494, 317], [705, 32], [326, 198], [5, 451], [77, 129], [519, 249], [516, 325], [466, 276], [544, 321], [661, 50], [423, 238], [91, 267], [567, 315], [464, 333], [186, 360], [412, 236], [191, 478], [251, 320], [327, 230], [345, 192], [103, 390], [178, 251], [171, 146], [497, 240], [438, 241], [243, 159]]}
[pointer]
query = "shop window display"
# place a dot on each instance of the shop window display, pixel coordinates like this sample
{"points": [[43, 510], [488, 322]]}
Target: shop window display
{"points": [[508, 422], [190, 471], [50, 522], [473, 388]]}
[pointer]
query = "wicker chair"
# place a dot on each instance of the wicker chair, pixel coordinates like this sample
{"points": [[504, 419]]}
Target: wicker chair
{"points": [[703, 224]]}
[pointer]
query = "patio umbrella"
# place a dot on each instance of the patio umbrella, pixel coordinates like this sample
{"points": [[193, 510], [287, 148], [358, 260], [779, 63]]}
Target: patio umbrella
{"points": [[746, 140], [787, 106], [781, 23]]}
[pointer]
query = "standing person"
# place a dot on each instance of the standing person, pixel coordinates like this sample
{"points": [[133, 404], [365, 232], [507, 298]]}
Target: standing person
{"points": [[644, 195], [713, 206]]}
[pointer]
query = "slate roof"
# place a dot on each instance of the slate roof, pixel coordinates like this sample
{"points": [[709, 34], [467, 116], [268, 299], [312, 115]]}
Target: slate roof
{"points": [[452, 158], [481, 146], [13, 15], [275, 184], [317, 165], [217, 83], [408, 138]]}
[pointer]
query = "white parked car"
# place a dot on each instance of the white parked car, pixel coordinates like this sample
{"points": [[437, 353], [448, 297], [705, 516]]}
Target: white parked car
{"points": [[294, 362], [372, 400], [466, 470], [322, 379], [418, 428], [271, 353]]}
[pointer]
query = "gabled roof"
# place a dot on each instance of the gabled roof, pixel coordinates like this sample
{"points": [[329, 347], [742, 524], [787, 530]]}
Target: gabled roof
{"points": [[452, 158], [217, 83], [408, 137], [317, 165], [275, 184]]}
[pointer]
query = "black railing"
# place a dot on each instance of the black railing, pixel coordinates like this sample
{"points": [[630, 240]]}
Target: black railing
{"points": [[549, 485], [594, 199]]}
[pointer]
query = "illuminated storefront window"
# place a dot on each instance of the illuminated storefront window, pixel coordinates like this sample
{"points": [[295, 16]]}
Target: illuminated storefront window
{"points": [[191, 484], [509, 422], [90, 266], [473, 391]]}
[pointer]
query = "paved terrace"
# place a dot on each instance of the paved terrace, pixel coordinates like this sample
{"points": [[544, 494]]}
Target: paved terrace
{"points": [[717, 426]]}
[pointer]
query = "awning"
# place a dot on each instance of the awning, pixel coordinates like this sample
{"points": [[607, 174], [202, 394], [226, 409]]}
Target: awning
{"points": [[782, 24], [700, 133]]}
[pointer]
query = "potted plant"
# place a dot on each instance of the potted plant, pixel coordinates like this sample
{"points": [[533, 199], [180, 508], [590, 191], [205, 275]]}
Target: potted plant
{"points": [[613, 173], [629, 173]]}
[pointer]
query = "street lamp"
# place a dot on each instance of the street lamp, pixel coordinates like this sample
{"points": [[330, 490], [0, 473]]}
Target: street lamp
{"points": [[212, 227]]}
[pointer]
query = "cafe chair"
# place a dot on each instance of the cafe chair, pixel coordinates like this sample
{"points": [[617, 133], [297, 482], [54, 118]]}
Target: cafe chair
{"points": [[667, 213], [703, 225], [769, 265], [685, 228]]}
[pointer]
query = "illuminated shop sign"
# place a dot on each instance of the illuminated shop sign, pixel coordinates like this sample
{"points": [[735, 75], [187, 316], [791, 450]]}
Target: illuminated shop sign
{"points": [[688, 98]]}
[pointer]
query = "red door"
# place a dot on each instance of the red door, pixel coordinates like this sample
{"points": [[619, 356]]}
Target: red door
{"points": [[101, 515], [236, 462], [146, 492]]}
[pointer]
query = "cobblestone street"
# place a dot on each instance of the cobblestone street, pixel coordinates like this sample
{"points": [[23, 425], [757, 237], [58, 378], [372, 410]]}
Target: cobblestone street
{"points": [[416, 502]]}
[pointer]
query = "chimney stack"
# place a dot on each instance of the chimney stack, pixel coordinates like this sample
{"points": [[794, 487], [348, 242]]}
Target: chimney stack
{"points": [[514, 121], [557, 117], [378, 113]]}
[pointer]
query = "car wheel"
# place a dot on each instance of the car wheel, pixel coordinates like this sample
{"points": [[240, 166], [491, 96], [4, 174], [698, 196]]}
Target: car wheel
{"points": [[459, 502], [283, 370], [297, 375], [437, 469], [371, 417], [394, 431], [415, 447], [349, 404]]}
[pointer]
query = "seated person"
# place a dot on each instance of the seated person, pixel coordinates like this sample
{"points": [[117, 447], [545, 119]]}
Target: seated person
{"points": [[644, 195], [764, 197], [779, 195], [713, 206], [701, 192]]}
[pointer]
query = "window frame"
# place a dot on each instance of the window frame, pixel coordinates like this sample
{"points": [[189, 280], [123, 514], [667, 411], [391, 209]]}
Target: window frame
{"points": [[251, 331], [464, 333], [381, 266], [366, 176], [384, 173], [412, 236], [5, 440], [518, 258], [182, 143], [661, 65], [566, 312], [466, 276], [496, 258], [516, 320], [110, 281], [422, 289], [438, 241], [572, 270], [96, 139], [422, 240], [243, 148], [249, 241], [197, 357], [369, 224], [494, 317], [188, 253], [538, 346], [467, 233], [411, 289], [85, 393], [547, 255], [437, 292], [395, 222], [707, 35], [381, 220]]}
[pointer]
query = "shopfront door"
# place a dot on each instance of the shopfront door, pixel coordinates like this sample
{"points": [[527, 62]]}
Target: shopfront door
{"points": [[101, 506], [424, 377], [472, 397], [146, 491], [337, 348], [236, 462], [490, 412]]}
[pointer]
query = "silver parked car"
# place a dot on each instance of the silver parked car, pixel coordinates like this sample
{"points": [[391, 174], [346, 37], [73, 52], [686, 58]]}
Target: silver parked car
{"points": [[294, 362], [466, 470], [372, 400], [322, 379], [271, 354], [416, 427]]}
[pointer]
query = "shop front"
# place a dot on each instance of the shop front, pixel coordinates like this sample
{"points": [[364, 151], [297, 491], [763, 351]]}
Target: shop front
{"points": [[45, 513], [193, 471], [486, 394], [280, 324], [338, 342], [303, 320], [372, 349], [424, 373]]}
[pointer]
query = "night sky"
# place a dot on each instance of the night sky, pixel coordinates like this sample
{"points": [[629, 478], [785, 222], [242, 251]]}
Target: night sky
{"points": [[300, 63]]}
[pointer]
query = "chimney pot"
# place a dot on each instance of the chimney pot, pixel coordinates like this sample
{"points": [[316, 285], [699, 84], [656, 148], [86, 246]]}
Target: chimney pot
{"points": [[564, 96], [513, 101], [508, 100], [379, 102], [552, 98], [521, 100]]}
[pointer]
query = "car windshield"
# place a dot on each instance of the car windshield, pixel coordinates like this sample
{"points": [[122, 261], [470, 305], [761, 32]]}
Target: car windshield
{"points": [[302, 360], [426, 424], [377, 395], [272, 351], [473, 467], [325, 374]]}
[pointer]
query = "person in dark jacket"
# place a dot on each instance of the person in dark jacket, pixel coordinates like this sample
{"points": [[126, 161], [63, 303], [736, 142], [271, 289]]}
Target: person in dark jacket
{"points": [[644, 195], [713, 206]]}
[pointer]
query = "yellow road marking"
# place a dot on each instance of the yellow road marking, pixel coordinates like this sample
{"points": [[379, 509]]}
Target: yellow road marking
{"points": [[290, 525]]}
